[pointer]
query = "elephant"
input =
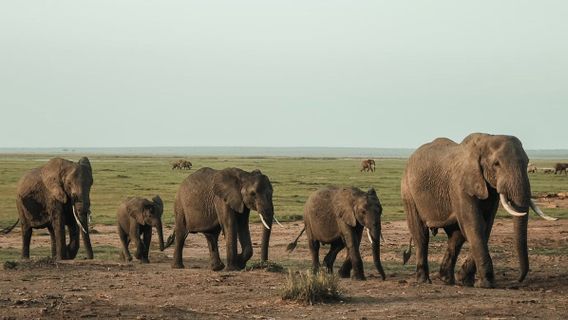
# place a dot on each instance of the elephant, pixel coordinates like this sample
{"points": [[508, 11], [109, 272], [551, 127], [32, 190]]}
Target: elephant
{"points": [[560, 167], [368, 165], [210, 201], [337, 216], [181, 164], [458, 187], [54, 196], [532, 168], [136, 216]]}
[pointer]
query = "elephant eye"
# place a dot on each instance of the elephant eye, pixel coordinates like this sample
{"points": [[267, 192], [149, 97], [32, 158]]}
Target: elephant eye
{"points": [[252, 193], [496, 163]]}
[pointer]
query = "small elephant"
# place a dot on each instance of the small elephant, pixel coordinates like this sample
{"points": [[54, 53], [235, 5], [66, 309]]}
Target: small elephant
{"points": [[560, 167], [368, 165], [136, 216], [337, 216]]}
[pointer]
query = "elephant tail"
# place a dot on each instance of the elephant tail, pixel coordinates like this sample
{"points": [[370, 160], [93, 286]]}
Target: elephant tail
{"points": [[292, 245], [9, 229], [406, 254], [170, 240]]}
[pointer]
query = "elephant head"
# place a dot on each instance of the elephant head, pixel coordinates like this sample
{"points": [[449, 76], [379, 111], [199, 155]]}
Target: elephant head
{"points": [[497, 164], [149, 213], [70, 183], [364, 209], [251, 190]]}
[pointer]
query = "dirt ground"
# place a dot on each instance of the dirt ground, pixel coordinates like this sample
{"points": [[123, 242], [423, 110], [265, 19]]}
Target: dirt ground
{"points": [[111, 289]]}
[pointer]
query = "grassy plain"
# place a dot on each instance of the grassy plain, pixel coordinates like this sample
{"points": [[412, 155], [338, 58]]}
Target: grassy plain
{"points": [[116, 177]]}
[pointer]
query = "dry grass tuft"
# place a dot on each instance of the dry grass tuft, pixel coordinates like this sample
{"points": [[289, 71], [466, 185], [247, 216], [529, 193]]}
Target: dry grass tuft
{"points": [[311, 288]]}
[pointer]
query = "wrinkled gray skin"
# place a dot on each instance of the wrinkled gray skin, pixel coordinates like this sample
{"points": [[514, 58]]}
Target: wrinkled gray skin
{"points": [[210, 201], [368, 165], [136, 216], [45, 198], [337, 216], [456, 187]]}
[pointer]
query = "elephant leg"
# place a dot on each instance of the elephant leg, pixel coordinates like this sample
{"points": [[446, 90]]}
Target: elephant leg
{"points": [[147, 239], [455, 243], [230, 229], [26, 239], [244, 239], [73, 246], [329, 259], [125, 254], [421, 237], [345, 270], [352, 242], [58, 224], [480, 259], [314, 246], [213, 243], [181, 235], [52, 236], [134, 236]]}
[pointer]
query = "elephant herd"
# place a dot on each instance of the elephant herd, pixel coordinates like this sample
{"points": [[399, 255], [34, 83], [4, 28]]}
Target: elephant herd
{"points": [[446, 185]]}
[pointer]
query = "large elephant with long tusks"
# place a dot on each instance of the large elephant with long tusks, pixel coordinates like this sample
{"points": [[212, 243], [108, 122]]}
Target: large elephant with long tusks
{"points": [[458, 187], [54, 196], [210, 201]]}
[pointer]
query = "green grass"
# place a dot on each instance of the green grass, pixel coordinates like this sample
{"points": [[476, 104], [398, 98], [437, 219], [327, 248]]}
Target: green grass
{"points": [[269, 266], [293, 179]]}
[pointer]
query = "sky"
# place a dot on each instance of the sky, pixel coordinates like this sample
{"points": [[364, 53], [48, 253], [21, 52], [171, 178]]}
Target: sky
{"points": [[366, 73]]}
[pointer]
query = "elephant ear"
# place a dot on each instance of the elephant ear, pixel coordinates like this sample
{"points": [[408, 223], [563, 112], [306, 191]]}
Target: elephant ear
{"points": [[343, 205], [136, 209], [52, 175], [159, 203], [472, 179], [227, 186]]}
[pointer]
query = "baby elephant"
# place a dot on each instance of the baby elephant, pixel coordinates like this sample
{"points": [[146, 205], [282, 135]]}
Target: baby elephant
{"points": [[337, 216], [136, 217]]}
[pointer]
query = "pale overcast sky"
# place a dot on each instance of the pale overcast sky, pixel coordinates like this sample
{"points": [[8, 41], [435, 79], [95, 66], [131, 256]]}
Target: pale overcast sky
{"points": [[363, 73]]}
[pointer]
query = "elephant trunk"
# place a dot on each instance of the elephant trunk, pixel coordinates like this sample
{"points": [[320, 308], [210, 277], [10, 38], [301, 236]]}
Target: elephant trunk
{"points": [[268, 217], [520, 225], [376, 248], [160, 235]]}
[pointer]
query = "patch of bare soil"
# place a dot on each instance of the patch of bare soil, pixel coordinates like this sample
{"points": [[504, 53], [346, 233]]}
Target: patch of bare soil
{"points": [[553, 200], [83, 289]]}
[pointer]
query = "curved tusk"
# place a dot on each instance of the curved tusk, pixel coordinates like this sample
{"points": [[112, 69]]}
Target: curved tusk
{"points": [[274, 217], [369, 235], [508, 207], [77, 219], [540, 213], [264, 222]]}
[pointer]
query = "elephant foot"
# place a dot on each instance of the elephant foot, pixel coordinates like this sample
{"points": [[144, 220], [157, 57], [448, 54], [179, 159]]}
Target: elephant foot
{"points": [[423, 277], [177, 265], [466, 279], [144, 260], [232, 268], [358, 277], [484, 283], [344, 273], [217, 266], [448, 278]]}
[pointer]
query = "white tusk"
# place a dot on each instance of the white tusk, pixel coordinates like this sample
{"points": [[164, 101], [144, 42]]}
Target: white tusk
{"points": [[508, 207], [274, 217], [263, 222], [369, 236], [77, 219], [540, 213]]}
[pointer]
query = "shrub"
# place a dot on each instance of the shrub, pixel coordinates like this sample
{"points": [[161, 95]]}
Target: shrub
{"points": [[311, 288], [269, 266]]}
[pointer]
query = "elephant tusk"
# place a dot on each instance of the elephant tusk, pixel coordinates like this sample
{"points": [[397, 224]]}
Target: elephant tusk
{"points": [[77, 219], [540, 213], [508, 207], [274, 217], [264, 222], [369, 236]]}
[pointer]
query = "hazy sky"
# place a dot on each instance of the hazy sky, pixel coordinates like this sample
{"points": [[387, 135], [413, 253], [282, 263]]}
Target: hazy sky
{"points": [[281, 73]]}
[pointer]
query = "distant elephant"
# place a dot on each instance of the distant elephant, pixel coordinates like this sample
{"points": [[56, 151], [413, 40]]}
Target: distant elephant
{"points": [[181, 164], [176, 165], [54, 196], [458, 187], [560, 167], [210, 201], [337, 216], [548, 170], [368, 165], [532, 168], [136, 216]]}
